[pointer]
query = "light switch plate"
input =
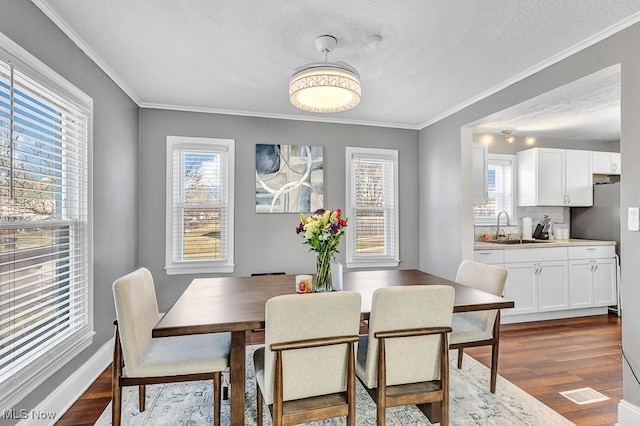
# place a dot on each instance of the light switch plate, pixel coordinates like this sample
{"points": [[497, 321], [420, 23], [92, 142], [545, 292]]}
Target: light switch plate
{"points": [[633, 219]]}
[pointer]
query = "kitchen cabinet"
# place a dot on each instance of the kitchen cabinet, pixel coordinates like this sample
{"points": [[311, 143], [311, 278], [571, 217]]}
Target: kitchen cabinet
{"points": [[537, 287], [592, 276], [604, 275], [558, 280], [537, 280], [554, 177], [521, 287], [580, 283], [490, 257], [606, 163], [553, 286], [479, 173]]}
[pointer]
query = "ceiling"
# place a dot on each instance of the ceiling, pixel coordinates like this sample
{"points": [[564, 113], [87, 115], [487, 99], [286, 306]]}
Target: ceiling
{"points": [[586, 109], [433, 57]]}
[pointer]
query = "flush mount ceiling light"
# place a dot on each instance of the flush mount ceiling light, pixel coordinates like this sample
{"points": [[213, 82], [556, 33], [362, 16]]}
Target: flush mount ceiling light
{"points": [[507, 136], [325, 86]]}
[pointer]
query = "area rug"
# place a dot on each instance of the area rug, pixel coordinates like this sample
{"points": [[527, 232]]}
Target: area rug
{"points": [[471, 403]]}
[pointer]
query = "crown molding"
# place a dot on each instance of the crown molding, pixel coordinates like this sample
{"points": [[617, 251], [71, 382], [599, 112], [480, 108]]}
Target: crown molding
{"points": [[61, 23], [206, 110], [82, 45], [590, 41]]}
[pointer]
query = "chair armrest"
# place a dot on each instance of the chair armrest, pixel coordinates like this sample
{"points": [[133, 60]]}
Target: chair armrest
{"points": [[411, 332], [313, 343]]}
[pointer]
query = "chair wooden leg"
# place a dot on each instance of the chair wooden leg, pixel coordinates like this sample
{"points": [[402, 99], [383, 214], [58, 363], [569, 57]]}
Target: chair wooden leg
{"points": [[381, 393], [460, 353], [116, 402], [278, 391], [494, 367], [259, 403], [141, 397], [116, 372], [381, 411], [444, 381], [351, 386], [217, 385]]}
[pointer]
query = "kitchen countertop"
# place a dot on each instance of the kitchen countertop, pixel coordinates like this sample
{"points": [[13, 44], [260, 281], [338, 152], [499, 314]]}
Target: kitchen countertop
{"points": [[483, 245]]}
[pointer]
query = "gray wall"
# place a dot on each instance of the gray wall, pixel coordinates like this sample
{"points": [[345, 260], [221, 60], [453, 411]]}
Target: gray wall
{"points": [[115, 158], [264, 242], [445, 154]]}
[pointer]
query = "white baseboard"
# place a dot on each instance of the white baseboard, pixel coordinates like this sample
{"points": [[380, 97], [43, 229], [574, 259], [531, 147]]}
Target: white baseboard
{"points": [[628, 414], [60, 400]]}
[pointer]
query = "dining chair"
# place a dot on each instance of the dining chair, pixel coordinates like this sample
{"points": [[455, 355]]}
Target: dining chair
{"points": [[265, 274], [306, 369], [139, 359], [404, 358], [481, 328]]}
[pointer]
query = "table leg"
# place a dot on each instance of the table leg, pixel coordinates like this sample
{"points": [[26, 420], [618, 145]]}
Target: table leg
{"points": [[238, 376], [432, 411]]}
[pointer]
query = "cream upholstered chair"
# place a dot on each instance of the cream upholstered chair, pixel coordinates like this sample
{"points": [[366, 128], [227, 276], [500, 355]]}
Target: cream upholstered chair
{"points": [[404, 358], [140, 360], [483, 327], [306, 369]]}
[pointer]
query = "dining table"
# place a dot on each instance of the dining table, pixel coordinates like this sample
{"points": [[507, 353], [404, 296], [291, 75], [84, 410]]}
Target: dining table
{"points": [[236, 305]]}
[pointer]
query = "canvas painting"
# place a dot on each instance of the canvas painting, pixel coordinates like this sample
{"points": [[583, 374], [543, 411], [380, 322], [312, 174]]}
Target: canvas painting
{"points": [[289, 178]]}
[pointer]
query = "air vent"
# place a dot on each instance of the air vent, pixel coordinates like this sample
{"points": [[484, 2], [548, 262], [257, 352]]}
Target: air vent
{"points": [[584, 396]]}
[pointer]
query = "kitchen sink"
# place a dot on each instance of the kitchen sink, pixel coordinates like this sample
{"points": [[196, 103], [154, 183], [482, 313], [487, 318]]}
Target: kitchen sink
{"points": [[517, 241]]}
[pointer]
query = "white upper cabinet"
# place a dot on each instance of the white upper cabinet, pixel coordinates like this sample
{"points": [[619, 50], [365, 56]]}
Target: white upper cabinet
{"points": [[606, 163], [479, 173], [549, 172], [554, 177], [578, 178]]}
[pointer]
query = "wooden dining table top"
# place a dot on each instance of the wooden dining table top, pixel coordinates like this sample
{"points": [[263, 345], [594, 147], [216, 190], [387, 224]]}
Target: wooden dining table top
{"points": [[211, 305]]}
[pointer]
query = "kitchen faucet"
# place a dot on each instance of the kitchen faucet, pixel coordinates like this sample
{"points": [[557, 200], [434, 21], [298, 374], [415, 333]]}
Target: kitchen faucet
{"points": [[498, 224]]}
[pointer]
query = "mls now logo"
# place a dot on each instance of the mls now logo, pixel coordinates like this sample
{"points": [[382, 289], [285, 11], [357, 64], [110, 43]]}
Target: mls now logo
{"points": [[26, 414]]}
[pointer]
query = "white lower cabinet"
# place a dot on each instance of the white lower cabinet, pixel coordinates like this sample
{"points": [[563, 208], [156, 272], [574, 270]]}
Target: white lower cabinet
{"points": [[553, 286], [537, 287], [537, 280], [522, 288], [604, 282], [592, 282], [580, 283], [556, 279]]}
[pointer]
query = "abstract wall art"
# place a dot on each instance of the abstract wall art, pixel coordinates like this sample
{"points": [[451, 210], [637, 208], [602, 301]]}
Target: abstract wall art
{"points": [[289, 178]]}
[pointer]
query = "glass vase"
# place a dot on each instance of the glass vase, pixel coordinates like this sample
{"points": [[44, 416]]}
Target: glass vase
{"points": [[323, 271]]}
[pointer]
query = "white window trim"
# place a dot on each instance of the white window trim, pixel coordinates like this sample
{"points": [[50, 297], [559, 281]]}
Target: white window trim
{"points": [[513, 219], [378, 261], [199, 266], [45, 365]]}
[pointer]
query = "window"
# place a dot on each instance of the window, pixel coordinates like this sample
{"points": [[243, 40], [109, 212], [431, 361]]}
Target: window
{"points": [[500, 188], [372, 207], [199, 205], [45, 249]]}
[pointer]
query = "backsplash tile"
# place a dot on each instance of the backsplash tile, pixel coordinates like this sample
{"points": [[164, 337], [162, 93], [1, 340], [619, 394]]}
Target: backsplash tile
{"points": [[556, 214]]}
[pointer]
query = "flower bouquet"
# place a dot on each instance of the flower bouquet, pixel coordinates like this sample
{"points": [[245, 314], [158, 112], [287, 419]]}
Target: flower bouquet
{"points": [[322, 231]]}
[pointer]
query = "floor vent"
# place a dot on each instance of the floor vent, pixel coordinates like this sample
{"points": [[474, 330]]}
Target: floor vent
{"points": [[584, 396]]}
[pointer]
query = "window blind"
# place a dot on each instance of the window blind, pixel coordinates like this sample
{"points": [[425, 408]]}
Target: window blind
{"points": [[499, 189], [200, 210], [44, 240], [372, 210]]}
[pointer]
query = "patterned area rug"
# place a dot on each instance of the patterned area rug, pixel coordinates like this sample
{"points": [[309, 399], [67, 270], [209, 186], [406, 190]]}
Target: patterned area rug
{"points": [[471, 403]]}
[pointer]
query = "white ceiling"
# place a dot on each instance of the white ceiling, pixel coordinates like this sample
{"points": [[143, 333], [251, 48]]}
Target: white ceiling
{"points": [[236, 57], [586, 109]]}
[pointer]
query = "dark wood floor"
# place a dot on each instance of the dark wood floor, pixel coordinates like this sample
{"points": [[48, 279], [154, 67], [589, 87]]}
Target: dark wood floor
{"points": [[549, 357], [541, 358]]}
